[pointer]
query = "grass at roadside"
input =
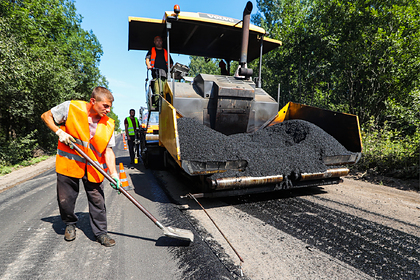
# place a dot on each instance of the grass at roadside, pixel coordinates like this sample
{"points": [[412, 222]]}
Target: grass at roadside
{"points": [[390, 153], [6, 169]]}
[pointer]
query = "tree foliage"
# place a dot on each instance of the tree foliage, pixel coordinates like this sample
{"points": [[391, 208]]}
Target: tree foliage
{"points": [[355, 56], [202, 65], [113, 116], [45, 59]]}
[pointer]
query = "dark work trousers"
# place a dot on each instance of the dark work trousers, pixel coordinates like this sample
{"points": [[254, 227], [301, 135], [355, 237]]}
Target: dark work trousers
{"points": [[131, 148], [67, 192]]}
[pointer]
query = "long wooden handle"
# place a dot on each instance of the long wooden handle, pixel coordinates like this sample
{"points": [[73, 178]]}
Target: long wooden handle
{"points": [[124, 192]]}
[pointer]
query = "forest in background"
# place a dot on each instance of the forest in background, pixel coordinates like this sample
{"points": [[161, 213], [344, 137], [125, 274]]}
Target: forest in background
{"points": [[45, 58]]}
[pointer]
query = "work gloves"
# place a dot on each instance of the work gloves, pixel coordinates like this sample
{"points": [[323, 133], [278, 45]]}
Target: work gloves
{"points": [[119, 184], [65, 138]]}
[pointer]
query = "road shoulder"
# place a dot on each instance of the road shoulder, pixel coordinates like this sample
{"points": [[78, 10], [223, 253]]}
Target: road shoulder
{"points": [[25, 173]]}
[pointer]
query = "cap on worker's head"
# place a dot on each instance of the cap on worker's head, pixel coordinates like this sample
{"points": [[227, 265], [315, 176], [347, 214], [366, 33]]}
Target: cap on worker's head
{"points": [[154, 39]]}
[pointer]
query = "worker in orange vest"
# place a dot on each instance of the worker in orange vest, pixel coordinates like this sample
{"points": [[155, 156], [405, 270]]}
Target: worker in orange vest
{"points": [[87, 125], [157, 61]]}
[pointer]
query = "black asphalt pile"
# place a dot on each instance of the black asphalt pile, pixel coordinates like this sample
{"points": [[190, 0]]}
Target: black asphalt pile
{"points": [[293, 146]]}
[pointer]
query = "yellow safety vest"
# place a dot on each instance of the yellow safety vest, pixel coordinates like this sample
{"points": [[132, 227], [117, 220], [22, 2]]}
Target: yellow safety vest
{"points": [[131, 127]]}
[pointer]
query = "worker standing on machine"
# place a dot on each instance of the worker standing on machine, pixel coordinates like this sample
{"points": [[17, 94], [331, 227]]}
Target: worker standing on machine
{"points": [[131, 124], [86, 125], [157, 61]]}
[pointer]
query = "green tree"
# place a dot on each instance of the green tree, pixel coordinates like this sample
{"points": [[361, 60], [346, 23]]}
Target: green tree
{"points": [[203, 65], [113, 116], [374, 48], [355, 56], [45, 59], [290, 64], [207, 66]]}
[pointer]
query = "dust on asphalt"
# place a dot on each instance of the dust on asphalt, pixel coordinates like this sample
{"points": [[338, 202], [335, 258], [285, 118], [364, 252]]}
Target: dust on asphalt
{"points": [[375, 249]]}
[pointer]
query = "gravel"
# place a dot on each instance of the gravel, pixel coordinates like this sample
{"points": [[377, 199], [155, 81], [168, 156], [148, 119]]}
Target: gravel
{"points": [[293, 146]]}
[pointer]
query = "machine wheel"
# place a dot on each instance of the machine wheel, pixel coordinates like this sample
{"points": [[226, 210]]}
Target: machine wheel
{"points": [[145, 159], [154, 158]]}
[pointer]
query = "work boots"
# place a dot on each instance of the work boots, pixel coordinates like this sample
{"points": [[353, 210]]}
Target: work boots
{"points": [[70, 233], [105, 240]]}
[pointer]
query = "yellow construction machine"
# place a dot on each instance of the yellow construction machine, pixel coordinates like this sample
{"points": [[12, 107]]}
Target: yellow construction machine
{"points": [[148, 133], [229, 104]]}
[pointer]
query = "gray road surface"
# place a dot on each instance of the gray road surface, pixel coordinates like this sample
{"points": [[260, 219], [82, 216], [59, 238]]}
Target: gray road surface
{"points": [[32, 244]]}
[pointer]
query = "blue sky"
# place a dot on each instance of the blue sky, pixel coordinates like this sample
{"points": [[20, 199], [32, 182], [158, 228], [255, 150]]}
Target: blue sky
{"points": [[126, 70]]}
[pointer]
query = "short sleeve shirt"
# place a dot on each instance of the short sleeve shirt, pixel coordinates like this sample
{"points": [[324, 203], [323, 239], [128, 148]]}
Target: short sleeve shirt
{"points": [[60, 113]]}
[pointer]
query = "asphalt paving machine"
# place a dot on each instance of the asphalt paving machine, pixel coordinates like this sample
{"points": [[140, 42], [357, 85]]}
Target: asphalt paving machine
{"points": [[229, 104]]}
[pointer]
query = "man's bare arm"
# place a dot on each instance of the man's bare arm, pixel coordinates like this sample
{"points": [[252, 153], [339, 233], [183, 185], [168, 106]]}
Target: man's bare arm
{"points": [[148, 63], [110, 161], [47, 117]]}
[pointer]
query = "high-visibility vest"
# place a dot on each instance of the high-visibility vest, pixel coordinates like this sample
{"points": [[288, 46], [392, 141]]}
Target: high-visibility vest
{"points": [[153, 57], [130, 127], [68, 161]]}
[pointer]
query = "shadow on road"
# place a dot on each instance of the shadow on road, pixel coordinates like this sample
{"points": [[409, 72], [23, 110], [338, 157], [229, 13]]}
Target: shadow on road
{"points": [[83, 224], [281, 194]]}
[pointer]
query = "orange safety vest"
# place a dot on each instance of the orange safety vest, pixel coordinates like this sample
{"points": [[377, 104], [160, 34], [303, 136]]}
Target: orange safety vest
{"points": [[153, 57], [68, 161]]}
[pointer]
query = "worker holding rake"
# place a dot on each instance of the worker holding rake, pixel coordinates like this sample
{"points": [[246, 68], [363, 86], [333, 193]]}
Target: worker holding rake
{"points": [[84, 124]]}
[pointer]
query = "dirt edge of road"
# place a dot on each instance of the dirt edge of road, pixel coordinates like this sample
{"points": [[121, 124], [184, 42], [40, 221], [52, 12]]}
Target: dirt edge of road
{"points": [[24, 174], [406, 185]]}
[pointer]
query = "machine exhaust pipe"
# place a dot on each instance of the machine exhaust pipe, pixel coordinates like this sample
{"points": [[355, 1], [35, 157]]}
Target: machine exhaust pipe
{"points": [[243, 71], [245, 32]]}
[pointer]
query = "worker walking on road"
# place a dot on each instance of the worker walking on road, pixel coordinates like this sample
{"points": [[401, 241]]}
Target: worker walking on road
{"points": [[157, 61], [131, 123], [87, 125]]}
